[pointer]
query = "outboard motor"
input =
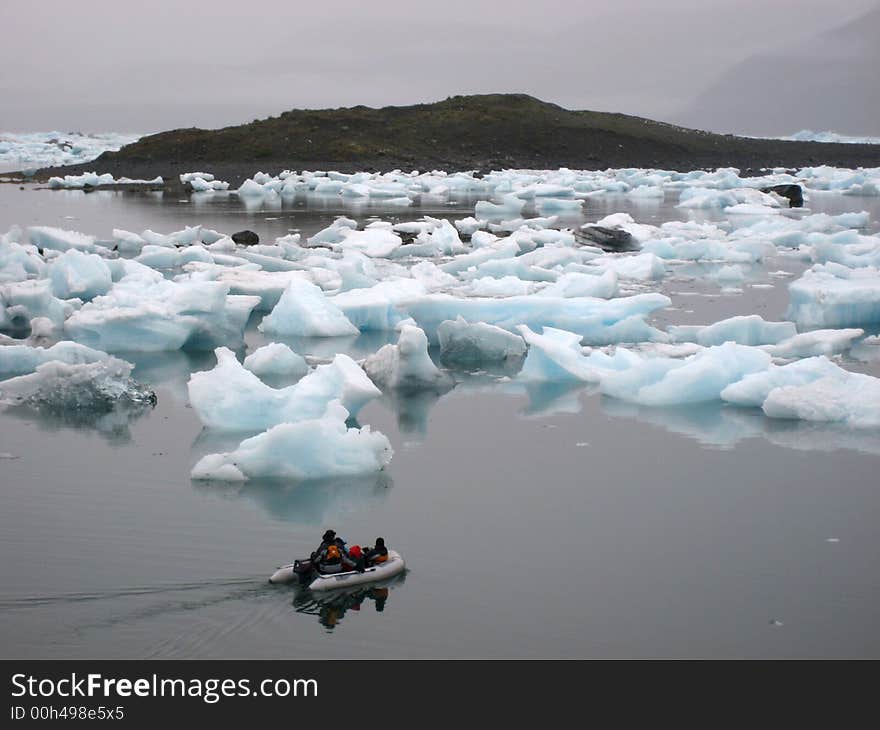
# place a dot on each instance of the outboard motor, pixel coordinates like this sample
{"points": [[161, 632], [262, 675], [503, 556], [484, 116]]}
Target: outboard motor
{"points": [[303, 569]]}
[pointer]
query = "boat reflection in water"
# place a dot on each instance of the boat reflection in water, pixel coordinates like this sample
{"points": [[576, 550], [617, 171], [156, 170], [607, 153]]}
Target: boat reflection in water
{"points": [[332, 606]]}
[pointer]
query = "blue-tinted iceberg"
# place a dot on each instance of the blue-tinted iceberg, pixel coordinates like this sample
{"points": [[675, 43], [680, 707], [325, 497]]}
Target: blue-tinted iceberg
{"points": [[303, 310], [698, 378], [744, 330], [276, 359], [315, 448], [831, 295], [231, 398], [80, 275], [406, 365], [465, 343]]}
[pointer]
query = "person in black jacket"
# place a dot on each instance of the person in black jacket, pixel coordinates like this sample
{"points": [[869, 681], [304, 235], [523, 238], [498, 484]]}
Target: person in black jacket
{"points": [[376, 554]]}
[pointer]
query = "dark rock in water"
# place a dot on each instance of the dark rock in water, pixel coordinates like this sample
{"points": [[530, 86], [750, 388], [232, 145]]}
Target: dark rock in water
{"points": [[794, 193], [246, 238], [609, 239]]}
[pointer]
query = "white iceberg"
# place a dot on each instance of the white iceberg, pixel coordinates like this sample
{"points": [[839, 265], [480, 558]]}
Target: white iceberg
{"points": [[231, 398], [317, 448]]}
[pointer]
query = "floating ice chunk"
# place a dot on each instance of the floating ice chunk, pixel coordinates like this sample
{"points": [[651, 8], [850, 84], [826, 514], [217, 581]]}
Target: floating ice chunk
{"points": [[817, 342], [485, 210], [18, 262], [334, 233], [470, 225], [147, 313], [646, 191], [23, 359], [597, 320], [753, 389], [548, 190], [466, 343], [231, 398], [830, 295], [57, 239], [303, 310], [698, 378], [95, 386], [744, 330], [250, 280], [21, 302], [576, 284], [557, 205], [850, 398], [481, 239], [157, 239], [644, 266], [502, 250], [432, 277], [372, 241], [128, 242], [314, 449], [190, 176], [92, 179], [640, 232], [406, 365], [444, 238], [160, 257], [275, 359], [506, 286], [378, 307], [751, 209], [250, 188], [557, 355]]}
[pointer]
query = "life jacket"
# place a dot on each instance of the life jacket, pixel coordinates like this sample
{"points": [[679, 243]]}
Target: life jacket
{"points": [[332, 553]]}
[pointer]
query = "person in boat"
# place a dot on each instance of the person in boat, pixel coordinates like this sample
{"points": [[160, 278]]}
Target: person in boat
{"points": [[376, 554], [333, 560], [327, 540]]}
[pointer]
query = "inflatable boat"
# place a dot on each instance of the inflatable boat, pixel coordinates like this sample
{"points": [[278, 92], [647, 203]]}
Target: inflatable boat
{"points": [[305, 574]]}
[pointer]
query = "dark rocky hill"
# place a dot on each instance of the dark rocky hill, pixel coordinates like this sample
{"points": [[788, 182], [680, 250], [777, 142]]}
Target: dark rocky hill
{"points": [[462, 132]]}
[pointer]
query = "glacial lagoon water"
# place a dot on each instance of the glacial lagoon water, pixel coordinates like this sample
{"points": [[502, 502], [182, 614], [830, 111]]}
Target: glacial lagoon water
{"points": [[536, 522]]}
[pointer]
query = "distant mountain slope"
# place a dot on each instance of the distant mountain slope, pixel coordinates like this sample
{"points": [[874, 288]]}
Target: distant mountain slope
{"points": [[462, 132], [829, 82]]}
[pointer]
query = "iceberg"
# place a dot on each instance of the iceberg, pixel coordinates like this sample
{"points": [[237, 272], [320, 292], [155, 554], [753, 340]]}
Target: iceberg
{"points": [[557, 355], [231, 398], [303, 310], [23, 301], [406, 365], [754, 388], [598, 321], [79, 275], [744, 330], [23, 359], [576, 284], [147, 313], [816, 342], [309, 449], [59, 387], [276, 359], [831, 295], [469, 344], [57, 239], [701, 377], [850, 398]]}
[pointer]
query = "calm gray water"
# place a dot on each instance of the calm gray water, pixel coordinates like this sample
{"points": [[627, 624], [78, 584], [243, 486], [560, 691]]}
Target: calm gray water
{"points": [[545, 522]]}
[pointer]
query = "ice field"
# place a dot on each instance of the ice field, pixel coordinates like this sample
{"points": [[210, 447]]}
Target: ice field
{"points": [[28, 151], [393, 332]]}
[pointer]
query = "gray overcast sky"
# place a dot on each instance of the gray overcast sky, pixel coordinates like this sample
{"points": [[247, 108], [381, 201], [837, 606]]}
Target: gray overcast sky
{"points": [[116, 65]]}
